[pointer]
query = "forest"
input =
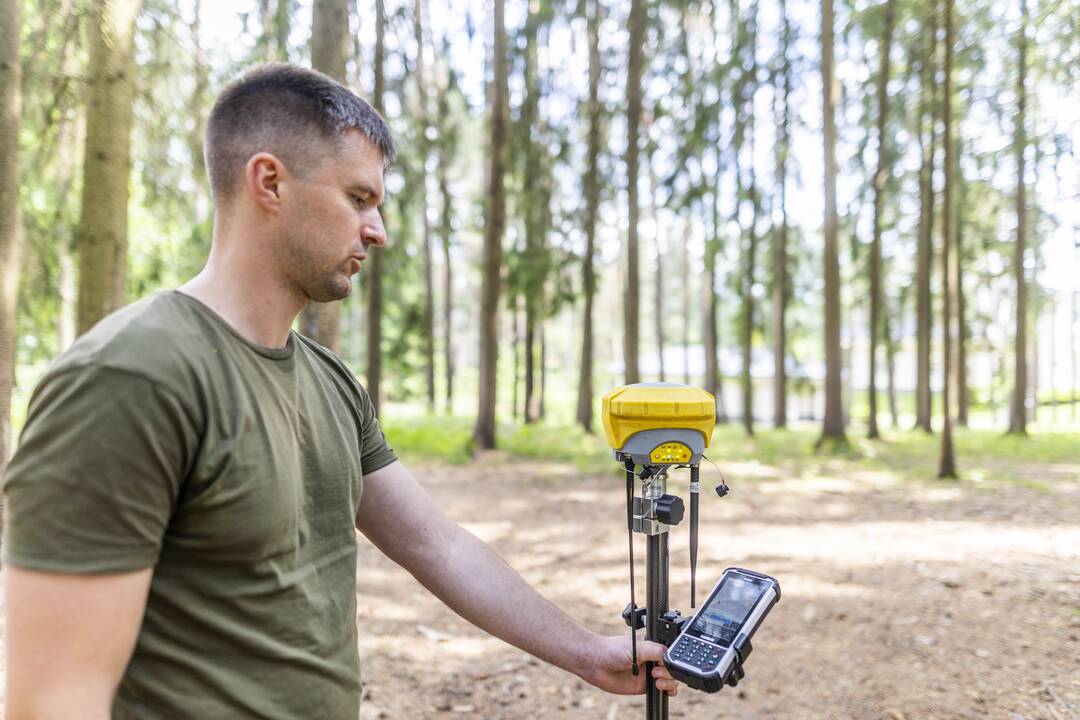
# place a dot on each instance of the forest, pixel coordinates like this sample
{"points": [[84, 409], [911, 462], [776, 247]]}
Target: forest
{"points": [[856, 223]]}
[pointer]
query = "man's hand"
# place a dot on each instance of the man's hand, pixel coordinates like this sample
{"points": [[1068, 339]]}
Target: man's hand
{"points": [[612, 663]]}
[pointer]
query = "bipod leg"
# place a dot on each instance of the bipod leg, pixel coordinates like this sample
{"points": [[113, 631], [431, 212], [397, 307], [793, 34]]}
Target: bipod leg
{"points": [[656, 578]]}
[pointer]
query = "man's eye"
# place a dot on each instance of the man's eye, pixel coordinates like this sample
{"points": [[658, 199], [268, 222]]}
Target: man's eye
{"points": [[359, 201]]}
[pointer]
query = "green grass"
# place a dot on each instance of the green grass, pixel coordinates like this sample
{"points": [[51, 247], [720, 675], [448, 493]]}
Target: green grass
{"points": [[432, 437], [982, 455]]}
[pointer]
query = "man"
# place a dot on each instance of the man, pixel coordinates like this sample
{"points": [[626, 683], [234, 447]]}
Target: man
{"points": [[180, 532]]}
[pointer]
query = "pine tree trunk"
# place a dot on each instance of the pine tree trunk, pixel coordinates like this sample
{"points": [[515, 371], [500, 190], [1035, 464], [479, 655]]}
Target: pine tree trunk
{"points": [[890, 363], [424, 147], [963, 394], [879, 202], [11, 235], [950, 266], [750, 268], [201, 205], [633, 119], [532, 200], [780, 290], [833, 426], [658, 285], [494, 216], [375, 271], [924, 271], [1018, 406], [281, 29], [101, 236], [515, 352], [584, 414], [686, 301], [446, 230], [329, 49]]}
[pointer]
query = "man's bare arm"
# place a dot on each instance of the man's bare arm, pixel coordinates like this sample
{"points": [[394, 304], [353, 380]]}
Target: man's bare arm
{"points": [[403, 521], [69, 638]]}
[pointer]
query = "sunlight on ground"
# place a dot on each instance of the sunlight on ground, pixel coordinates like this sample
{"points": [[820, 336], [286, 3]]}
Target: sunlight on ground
{"points": [[873, 543]]}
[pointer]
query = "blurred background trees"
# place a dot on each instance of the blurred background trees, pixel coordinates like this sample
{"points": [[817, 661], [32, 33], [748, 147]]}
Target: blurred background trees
{"points": [[760, 198]]}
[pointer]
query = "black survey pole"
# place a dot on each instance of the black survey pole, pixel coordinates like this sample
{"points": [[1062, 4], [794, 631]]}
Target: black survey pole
{"points": [[656, 578]]}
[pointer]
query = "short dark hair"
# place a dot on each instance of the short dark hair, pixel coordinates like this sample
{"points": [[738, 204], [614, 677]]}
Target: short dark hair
{"points": [[295, 113]]}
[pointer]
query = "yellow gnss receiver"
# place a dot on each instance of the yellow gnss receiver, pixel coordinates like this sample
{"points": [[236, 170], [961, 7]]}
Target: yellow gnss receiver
{"points": [[660, 424]]}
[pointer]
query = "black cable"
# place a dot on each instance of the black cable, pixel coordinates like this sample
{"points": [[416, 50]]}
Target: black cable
{"points": [[695, 491]]}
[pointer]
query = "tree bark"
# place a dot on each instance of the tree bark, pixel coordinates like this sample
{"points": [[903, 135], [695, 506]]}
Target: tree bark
{"points": [[633, 118], [446, 231], [833, 426], [780, 290], [281, 29], [950, 267], [375, 274], [963, 393], [1018, 406], [494, 215], [592, 202], [890, 361], [101, 236], [329, 49], [879, 203], [533, 200], [924, 271], [11, 235], [658, 285], [424, 147]]}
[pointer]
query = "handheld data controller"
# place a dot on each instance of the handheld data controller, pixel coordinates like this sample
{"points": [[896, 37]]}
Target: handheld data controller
{"points": [[712, 647], [654, 428]]}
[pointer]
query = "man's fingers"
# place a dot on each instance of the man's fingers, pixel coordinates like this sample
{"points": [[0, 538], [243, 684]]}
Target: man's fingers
{"points": [[661, 673], [650, 651]]}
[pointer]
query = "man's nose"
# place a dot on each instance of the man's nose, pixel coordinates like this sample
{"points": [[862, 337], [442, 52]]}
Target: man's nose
{"points": [[372, 231]]}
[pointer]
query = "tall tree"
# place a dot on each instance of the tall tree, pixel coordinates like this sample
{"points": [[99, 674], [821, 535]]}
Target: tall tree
{"points": [[424, 148], [101, 236], [375, 272], [329, 53], [11, 235], [534, 199], [447, 142], [592, 202], [963, 394], [950, 267], [494, 221], [927, 135], [746, 89], [633, 120], [1018, 406], [780, 290], [282, 17], [833, 426], [879, 203]]}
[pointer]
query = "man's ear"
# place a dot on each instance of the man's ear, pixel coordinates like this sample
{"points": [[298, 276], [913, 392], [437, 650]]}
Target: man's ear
{"points": [[263, 176]]}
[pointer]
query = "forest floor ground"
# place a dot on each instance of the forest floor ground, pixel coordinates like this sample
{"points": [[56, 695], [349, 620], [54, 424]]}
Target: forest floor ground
{"points": [[902, 598]]}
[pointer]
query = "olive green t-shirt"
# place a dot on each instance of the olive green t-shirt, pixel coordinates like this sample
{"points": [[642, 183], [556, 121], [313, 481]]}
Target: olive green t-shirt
{"points": [[163, 438]]}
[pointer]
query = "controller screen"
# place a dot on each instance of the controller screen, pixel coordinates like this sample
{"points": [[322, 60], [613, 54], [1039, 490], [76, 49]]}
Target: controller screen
{"points": [[722, 617]]}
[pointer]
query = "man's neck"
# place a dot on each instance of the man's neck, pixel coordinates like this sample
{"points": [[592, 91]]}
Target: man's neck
{"points": [[248, 295]]}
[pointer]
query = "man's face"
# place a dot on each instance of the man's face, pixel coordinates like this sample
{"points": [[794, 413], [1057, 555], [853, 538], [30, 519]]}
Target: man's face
{"points": [[334, 218]]}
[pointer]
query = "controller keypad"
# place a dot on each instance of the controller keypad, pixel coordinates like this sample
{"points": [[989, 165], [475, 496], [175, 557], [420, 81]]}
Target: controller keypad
{"points": [[691, 651]]}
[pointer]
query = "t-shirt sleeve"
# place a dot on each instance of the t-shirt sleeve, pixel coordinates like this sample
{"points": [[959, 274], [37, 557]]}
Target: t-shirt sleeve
{"points": [[375, 451], [97, 474]]}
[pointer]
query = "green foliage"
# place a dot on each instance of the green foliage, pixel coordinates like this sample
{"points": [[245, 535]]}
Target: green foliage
{"points": [[431, 437]]}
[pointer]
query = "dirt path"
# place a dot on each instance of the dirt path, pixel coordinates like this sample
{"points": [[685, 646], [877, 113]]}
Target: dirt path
{"points": [[900, 600]]}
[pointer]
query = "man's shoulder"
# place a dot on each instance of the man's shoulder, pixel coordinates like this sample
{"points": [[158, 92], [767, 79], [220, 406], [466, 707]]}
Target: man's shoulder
{"points": [[156, 338], [332, 366]]}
